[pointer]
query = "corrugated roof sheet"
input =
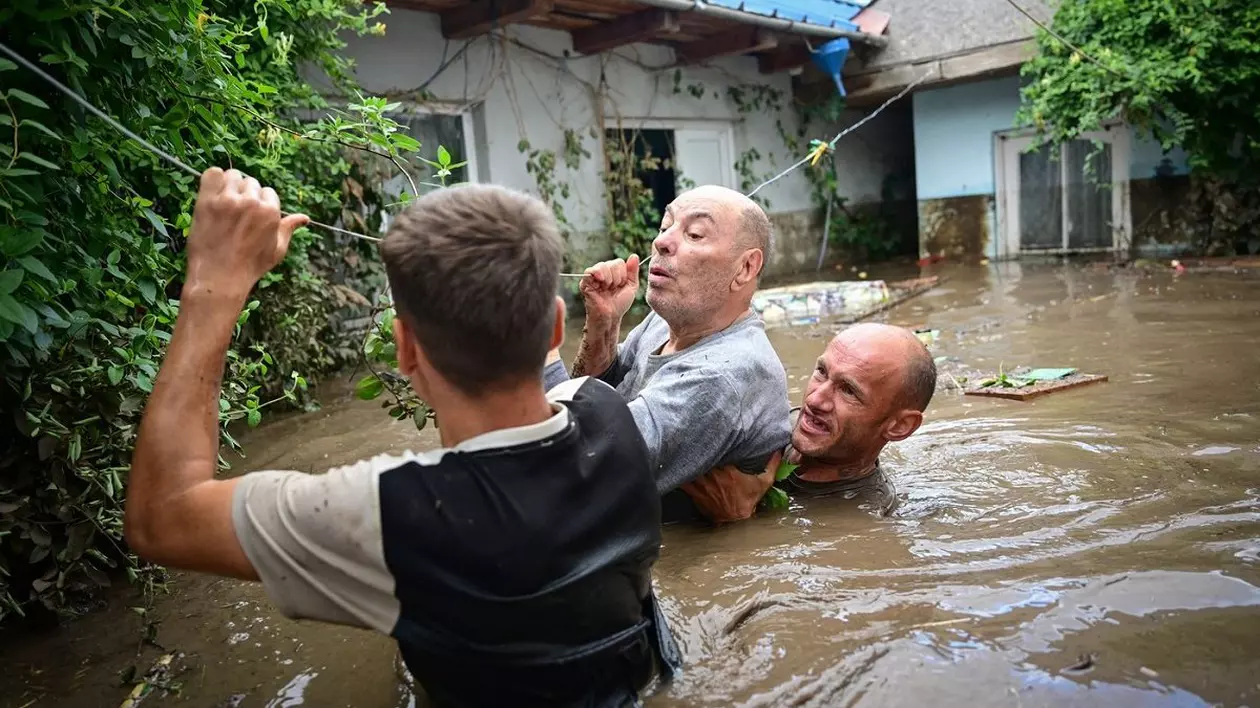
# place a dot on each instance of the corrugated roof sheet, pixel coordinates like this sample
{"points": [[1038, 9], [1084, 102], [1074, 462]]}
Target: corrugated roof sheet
{"points": [[829, 13]]}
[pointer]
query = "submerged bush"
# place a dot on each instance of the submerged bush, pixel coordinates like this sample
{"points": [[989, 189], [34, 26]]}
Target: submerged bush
{"points": [[92, 232]]}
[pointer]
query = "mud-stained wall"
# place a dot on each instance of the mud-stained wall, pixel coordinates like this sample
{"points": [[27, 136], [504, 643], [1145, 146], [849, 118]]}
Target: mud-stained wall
{"points": [[797, 237], [1155, 205], [955, 227]]}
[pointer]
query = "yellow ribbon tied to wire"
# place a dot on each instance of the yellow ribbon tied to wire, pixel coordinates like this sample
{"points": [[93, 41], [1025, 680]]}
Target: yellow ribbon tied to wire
{"points": [[818, 148]]}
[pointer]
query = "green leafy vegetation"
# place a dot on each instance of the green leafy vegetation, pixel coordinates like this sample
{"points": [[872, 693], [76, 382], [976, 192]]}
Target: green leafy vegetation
{"points": [[92, 232], [1186, 74]]}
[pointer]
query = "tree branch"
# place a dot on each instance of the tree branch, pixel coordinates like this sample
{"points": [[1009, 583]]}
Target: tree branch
{"points": [[414, 190]]}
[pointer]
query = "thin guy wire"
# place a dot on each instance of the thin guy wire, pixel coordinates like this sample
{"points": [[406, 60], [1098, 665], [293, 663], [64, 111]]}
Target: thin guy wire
{"points": [[187, 168], [148, 145], [841, 134]]}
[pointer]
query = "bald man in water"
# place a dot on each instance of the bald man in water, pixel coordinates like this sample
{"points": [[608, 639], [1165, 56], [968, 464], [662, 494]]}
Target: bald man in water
{"points": [[705, 386], [869, 388]]}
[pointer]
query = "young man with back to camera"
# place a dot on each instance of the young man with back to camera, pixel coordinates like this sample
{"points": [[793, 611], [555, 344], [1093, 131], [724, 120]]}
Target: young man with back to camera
{"points": [[513, 565]]}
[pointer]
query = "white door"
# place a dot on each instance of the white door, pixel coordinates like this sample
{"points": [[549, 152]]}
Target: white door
{"points": [[704, 155], [1075, 201]]}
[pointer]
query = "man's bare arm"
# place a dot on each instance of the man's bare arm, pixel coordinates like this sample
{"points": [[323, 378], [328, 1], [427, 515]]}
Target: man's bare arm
{"points": [[597, 350], [608, 290], [177, 514]]}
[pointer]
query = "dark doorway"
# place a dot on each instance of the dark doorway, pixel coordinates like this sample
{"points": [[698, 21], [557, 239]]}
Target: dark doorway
{"points": [[648, 156]]}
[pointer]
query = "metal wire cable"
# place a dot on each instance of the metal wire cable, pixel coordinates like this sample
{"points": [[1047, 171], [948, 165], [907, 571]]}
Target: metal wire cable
{"points": [[147, 145], [841, 134]]}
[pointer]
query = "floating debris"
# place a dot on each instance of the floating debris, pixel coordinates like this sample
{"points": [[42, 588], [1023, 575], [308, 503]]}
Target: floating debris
{"points": [[158, 678], [1084, 662], [1025, 385], [843, 302]]}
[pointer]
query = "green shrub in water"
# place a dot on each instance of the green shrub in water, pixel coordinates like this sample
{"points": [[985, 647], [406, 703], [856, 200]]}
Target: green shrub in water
{"points": [[92, 231]]}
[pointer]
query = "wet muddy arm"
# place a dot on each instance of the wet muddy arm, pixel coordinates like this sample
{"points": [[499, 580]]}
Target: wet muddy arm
{"points": [[177, 514], [597, 351]]}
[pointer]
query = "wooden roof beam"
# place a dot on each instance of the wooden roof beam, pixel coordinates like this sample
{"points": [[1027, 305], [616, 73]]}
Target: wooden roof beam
{"points": [[727, 44], [636, 27], [785, 59], [481, 16]]}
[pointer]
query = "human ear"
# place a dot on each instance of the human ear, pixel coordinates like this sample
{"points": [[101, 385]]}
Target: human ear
{"points": [[749, 268], [557, 330], [903, 424]]}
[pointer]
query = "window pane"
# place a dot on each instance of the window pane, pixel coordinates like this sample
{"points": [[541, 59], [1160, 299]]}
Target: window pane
{"points": [[1089, 194], [1040, 200], [432, 130]]}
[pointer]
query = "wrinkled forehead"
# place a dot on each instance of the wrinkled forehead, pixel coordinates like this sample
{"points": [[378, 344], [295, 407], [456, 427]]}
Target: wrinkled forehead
{"points": [[876, 361], [703, 209]]}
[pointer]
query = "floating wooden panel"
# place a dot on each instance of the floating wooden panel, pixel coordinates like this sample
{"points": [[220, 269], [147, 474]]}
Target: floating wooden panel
{"points": [[1040, 388]]}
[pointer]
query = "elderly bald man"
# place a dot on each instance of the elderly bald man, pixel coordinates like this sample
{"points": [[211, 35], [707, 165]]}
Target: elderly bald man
{"points": [[702, 380], [869, 387]]}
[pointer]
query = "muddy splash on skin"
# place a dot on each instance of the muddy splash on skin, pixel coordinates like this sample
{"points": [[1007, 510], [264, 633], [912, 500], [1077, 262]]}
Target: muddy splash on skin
{"points": [[1093, 547]]}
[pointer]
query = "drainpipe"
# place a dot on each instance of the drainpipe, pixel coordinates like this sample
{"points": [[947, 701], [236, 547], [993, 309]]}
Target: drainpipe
{"points": [[748, 18]]}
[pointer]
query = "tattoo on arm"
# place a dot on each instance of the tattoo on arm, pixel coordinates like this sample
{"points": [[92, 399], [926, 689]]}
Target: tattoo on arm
{"points": [[596, 352]]}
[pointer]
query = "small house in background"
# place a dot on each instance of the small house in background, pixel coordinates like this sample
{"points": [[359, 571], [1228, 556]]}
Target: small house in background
{"points": [[981, 191], [534, 93]]}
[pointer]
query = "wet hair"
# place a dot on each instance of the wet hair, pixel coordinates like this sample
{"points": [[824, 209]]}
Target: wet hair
{"points": [[474, 271], [920, 381]]}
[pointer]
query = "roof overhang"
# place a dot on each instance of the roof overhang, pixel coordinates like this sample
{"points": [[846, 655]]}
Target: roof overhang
{"points": [[780, 33]]}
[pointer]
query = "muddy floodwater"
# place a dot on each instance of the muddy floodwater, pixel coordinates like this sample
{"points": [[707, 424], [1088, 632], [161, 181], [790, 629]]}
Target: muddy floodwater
{"points": [[1095, 547]]}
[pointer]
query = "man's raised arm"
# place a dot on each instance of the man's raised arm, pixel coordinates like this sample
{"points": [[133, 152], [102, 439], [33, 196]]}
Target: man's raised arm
{"points": [[177, 514], [608, 290]]}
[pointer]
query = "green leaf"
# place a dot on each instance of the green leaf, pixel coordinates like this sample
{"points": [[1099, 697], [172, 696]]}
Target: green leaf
{"points": [[33, 265], [156, 221], [444, 157], [775, 498], [148, 289], [785, 470], [15, 242], [253, 417], [10, 280], [6, 329], [6, 65], [405, 142], [26, 98], [17, 172], [40, 127], [37, 160], [11, 310], [369, 387], [115, 374]]}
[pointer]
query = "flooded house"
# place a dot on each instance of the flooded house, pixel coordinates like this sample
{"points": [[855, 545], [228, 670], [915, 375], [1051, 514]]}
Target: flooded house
{"points": [[981, 189], [534, 94]]}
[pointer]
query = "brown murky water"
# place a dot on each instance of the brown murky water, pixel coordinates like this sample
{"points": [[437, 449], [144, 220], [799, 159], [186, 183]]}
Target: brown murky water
{"points": [[1119, 522]]}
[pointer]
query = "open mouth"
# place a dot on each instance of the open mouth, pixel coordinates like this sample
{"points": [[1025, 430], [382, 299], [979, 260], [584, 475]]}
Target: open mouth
{"points": [[659, 272], [812, 424]]}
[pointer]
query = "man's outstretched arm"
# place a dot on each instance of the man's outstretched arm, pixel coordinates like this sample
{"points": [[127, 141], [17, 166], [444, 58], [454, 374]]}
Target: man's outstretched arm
{"points": [[177, 514]]}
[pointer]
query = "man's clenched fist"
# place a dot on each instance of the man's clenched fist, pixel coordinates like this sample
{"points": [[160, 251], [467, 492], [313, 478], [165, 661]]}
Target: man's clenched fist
{"points": [[237, 234]]}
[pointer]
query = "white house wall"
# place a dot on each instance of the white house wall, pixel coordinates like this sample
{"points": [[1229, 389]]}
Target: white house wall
{"points": [[525, 95]]}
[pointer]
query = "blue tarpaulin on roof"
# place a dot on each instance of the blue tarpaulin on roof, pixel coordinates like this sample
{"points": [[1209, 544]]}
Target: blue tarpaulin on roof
{"points": [[829, 13]]}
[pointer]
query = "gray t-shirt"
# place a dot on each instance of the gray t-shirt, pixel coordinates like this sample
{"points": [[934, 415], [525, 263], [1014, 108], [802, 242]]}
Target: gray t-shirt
{"points": [[721, 401]]}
